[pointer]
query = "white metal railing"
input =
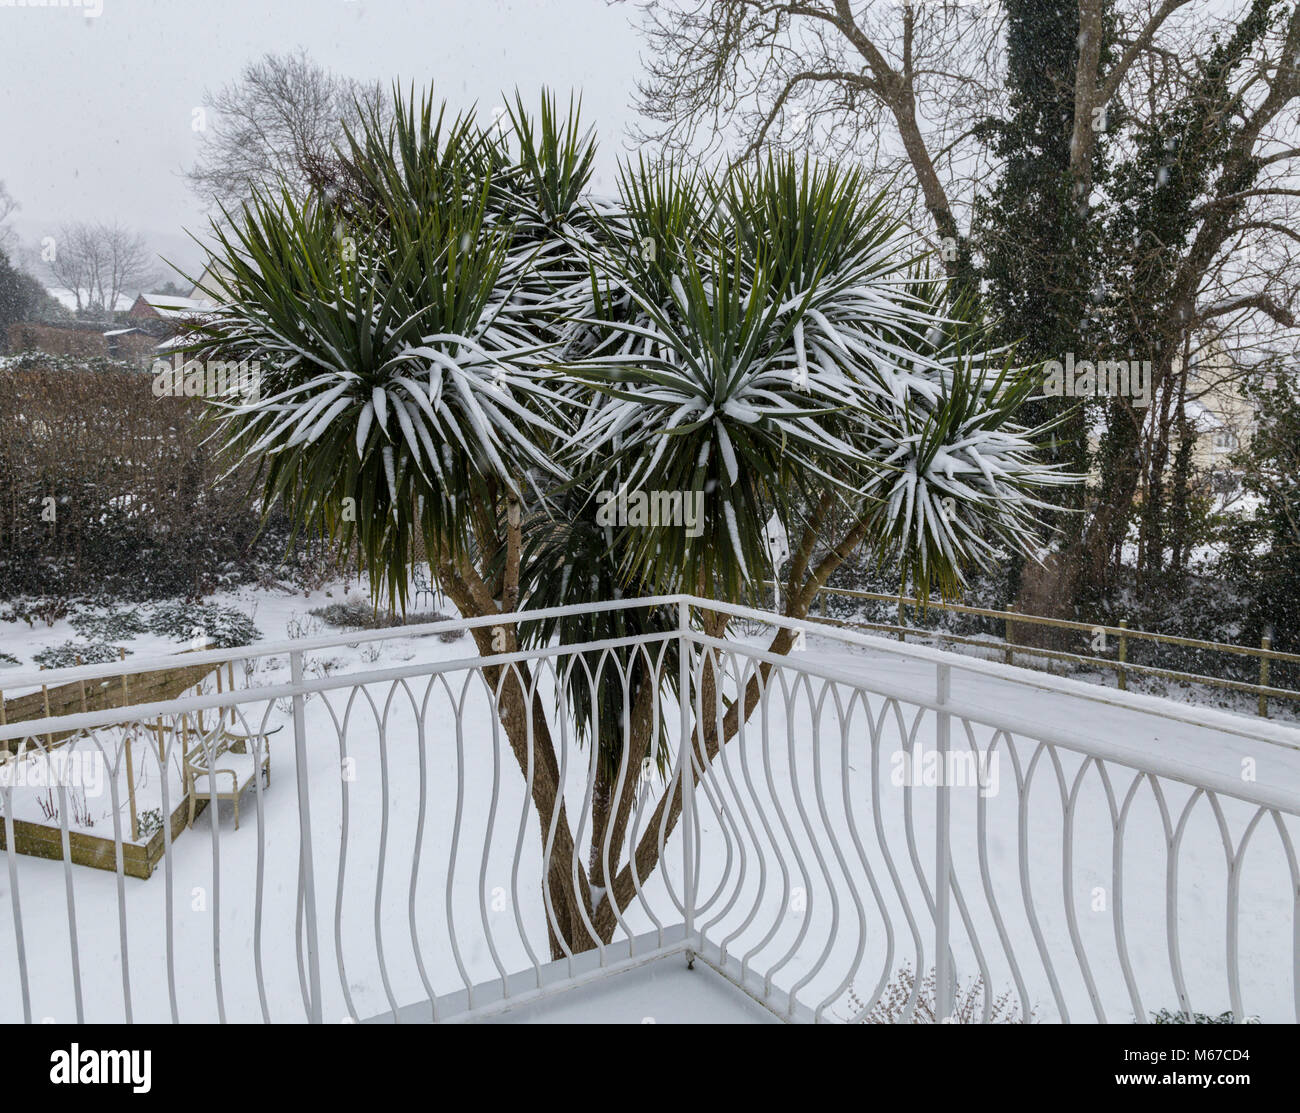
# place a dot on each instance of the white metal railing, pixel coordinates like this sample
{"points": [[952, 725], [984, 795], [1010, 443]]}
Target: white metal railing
{"points": [[885, 832]]}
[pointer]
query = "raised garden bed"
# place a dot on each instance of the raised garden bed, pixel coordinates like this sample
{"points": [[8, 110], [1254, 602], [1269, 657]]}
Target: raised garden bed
{"points": [[138, 859]]}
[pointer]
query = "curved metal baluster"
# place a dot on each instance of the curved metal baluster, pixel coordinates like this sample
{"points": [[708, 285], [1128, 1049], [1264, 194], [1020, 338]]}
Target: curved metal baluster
{"points": [[815, 712], [609, 875], [706, 782], [381, 739], [1026, 889], [1117, 872], [1067, 885], [530, 773], [749, 672], [553, 827], [634, 823], [341, 729], [764, 706], [1234, 901], [959, 899], [588, 793], [908, 741], [11, 853], [78, 1000], [982, 845], [885, 918], [1289, 847], [860, 911], [1171, 895], [455, 830], [259, 745], [487, 850], [806, 919], [417, 857], [119, 863], [214, 826], [741, 674], [772, 971], [878, 824], [169, 944]]}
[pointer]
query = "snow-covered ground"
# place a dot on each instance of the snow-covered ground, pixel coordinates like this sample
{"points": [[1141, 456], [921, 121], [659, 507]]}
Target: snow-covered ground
{"points": [[798, 785]]}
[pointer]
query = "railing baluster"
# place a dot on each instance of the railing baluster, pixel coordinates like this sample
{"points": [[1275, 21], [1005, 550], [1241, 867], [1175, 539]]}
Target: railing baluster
{"points": [[306, 876], [11, 853], [943, 974], [685, 766]]}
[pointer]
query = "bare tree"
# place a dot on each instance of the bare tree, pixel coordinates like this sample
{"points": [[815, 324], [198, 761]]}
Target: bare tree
{"points": [[99, 263], [8, 206], [274, 126], [904, 84]]}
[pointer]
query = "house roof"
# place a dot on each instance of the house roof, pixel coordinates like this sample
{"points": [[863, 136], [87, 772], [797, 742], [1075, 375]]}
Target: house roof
{"points": [[210, 289], [173, 306]]}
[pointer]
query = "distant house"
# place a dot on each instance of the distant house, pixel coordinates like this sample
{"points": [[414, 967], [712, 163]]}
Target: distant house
{"points": [[211, 289], [1221, 419], [1224, 419], [166, 307]]}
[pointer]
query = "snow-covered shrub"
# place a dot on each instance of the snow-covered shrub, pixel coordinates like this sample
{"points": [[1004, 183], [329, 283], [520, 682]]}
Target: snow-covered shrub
{"points": [[109, 625], [66, 655], [420, 618], [1174, 1016], [968, 1003], [299, 626], [220, 627], [149, 822], [32, 609], [141, 515], [355, 614]]}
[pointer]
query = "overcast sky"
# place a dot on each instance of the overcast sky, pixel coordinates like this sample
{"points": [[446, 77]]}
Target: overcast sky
{"points": [[95, 113]]}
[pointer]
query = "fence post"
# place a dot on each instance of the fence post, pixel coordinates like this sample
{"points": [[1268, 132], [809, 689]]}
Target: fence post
{"points": [[306, 869], [1006, 635], [1265, 643], [685, 768], [943, 975], [1123, 656]]}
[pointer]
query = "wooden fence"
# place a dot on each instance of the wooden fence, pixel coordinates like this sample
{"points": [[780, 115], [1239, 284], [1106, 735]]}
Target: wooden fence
{"points": [[1122, 635]]}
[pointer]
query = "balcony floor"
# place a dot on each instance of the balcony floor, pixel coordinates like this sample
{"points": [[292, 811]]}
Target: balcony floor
{"points": [[655, 987], [662, 992]]}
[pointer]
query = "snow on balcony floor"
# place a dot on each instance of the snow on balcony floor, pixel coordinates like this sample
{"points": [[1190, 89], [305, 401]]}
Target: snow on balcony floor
{"points": [[661, 992], [644, 980]]}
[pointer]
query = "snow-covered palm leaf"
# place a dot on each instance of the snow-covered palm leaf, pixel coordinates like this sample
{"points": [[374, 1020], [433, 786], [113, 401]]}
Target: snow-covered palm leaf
{"points": [[956, 479], [399, 392], [705, 392]]}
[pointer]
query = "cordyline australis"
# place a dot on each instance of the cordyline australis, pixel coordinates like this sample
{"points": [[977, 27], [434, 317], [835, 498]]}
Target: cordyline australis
{"points": [[463, 349]]}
